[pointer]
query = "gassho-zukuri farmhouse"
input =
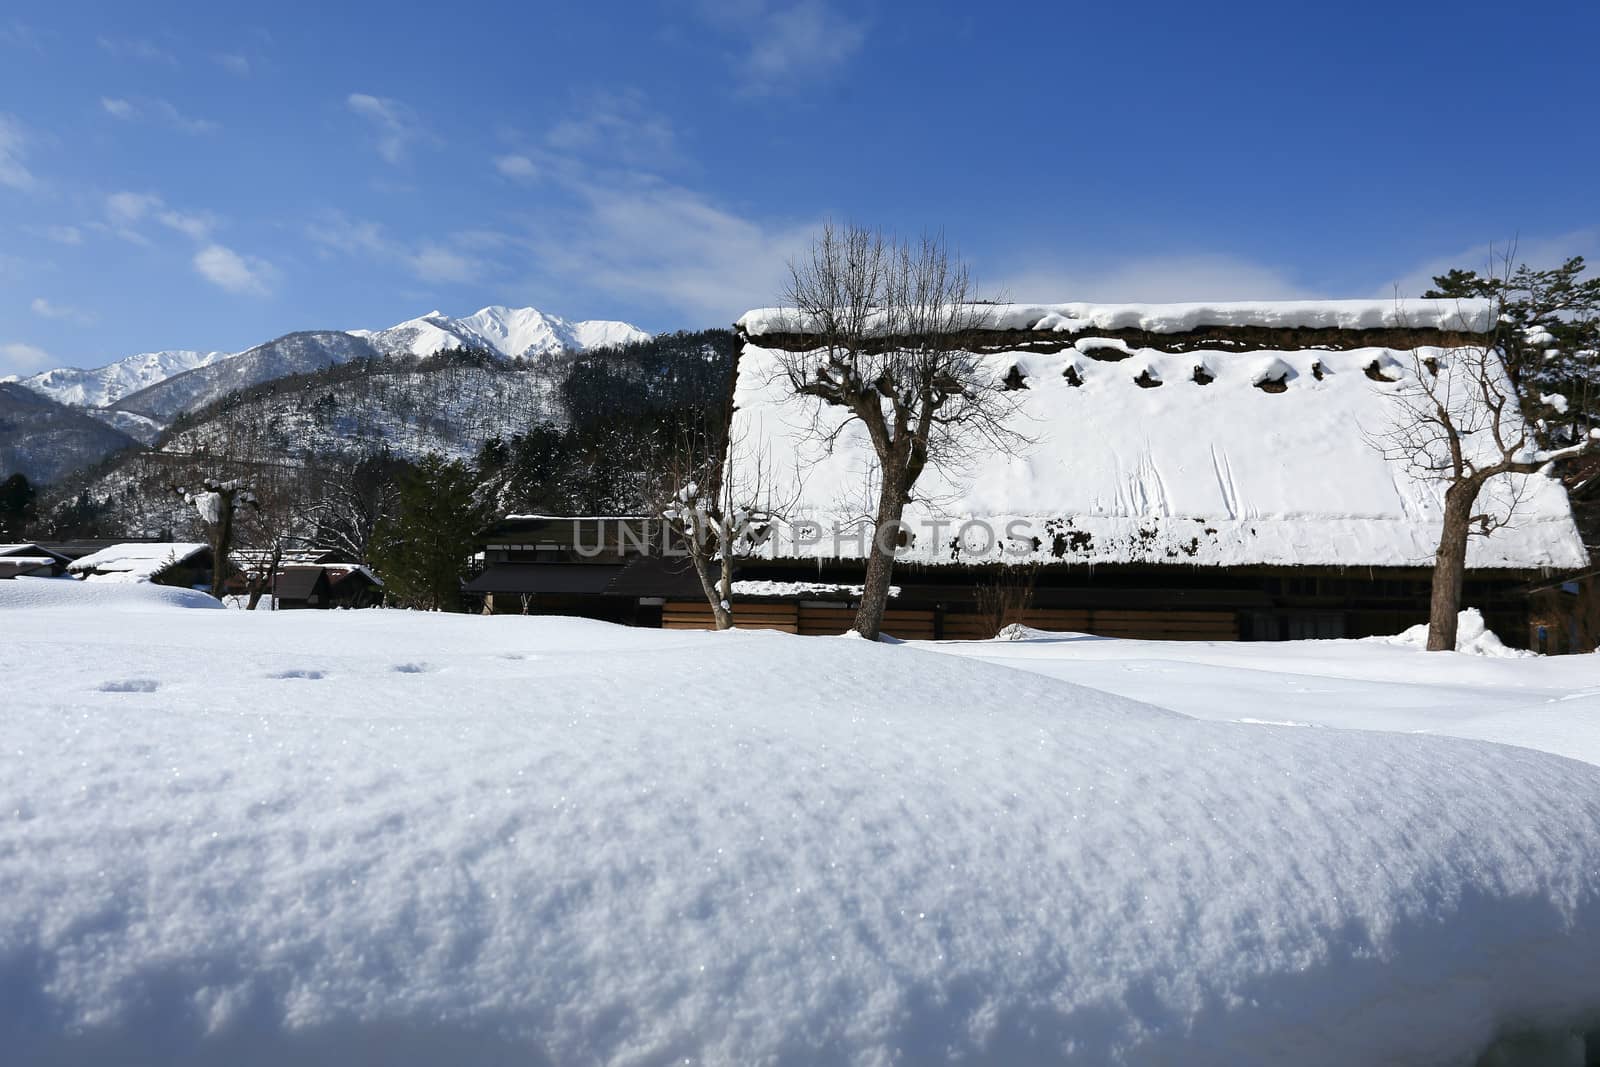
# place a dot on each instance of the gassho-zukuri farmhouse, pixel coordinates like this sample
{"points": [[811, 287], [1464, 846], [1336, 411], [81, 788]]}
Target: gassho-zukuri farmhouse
{"points": [[1200, 471]]}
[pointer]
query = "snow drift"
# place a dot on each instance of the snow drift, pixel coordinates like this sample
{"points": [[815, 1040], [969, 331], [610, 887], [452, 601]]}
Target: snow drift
{"points": [[400, 838]]}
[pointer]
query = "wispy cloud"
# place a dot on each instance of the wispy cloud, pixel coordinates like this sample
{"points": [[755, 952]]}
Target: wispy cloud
{"points": [[784, 46], [64, 235], [20, 358], [46, 309], [227, 269], [157, 109], [1536, 251], [13, 145], [234, 63], [139, 48], [519, 167], [126, 211], [398, 127], [609, 223], [667, 244], [617, 127], [438, 263], [16, 34], [456, 259]]}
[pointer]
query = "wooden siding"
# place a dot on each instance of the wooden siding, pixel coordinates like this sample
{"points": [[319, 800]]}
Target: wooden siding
{"points": [[925, 624]]}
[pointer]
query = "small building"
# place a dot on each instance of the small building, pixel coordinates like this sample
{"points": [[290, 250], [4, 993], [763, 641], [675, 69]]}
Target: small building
{"points": [[613, 568], [31, 561], [184, 564], [326, 585]]}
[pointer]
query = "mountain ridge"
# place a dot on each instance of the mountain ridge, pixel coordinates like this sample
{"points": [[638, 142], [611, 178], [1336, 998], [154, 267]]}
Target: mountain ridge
{"points": [[506, 332]]}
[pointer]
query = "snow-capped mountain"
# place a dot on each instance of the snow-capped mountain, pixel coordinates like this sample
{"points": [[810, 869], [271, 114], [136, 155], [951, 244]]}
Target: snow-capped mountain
{"points": [[99, 386], [293, 353], [159, 385], [509, 332]]}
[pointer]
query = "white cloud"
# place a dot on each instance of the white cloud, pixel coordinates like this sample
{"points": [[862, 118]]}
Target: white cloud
{"points": [[397, 125], [47, 310], [65, 235], [160, 110], [520, 167], [616, 126], [127, 210], [12, 151], [24, 358], [436, 263], [227, 269], [668, 244], [783, 46], [1486, 258], [1156, 279], [234, 63], [136, 48], [450, 261], [18, 35]]}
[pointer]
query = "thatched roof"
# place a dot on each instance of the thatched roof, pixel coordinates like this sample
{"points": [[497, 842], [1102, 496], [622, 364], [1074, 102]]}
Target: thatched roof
{"points": [[1230, 452]]}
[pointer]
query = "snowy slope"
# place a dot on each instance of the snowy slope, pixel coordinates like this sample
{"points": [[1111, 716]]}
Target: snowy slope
{"points": [[45, 440], [412, 839], [295, 353], [100, 386]]}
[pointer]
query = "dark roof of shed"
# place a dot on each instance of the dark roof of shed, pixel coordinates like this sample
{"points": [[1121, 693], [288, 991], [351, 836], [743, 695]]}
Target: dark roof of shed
{"points": [[664, 576], [298, 583], [545, 578]]}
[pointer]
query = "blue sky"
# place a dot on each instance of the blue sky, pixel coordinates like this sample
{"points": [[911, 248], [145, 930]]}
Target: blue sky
{"points": [[188, 176]]}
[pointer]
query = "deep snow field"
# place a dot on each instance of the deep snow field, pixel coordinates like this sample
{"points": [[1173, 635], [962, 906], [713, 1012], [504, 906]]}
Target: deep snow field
{"points": [[392, 838]]}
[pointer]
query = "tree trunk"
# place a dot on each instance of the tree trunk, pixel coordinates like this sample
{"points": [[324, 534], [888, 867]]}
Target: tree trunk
{"points": [[1450, 567], [221, 542], [263, 583], [880, 556], [721, 610]]}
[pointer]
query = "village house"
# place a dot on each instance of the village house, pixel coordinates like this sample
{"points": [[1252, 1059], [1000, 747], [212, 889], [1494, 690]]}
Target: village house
{"points": [[31, 561], [1188, 471], [186, 565], [326, 585]]}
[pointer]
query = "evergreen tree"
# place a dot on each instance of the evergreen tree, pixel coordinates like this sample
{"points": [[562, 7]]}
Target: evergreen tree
{"points": [[1549, 337], [423, 551], [17, 507]]}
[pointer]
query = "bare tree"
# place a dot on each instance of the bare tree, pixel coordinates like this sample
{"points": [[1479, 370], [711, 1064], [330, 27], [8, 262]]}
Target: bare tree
{"points": [[276, 523], [217, 503], [720, 505], [1456, 422], [891, 322]]}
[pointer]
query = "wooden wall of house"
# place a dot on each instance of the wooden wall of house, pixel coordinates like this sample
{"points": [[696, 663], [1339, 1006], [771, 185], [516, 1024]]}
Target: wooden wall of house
{"points": [[914, 624]]}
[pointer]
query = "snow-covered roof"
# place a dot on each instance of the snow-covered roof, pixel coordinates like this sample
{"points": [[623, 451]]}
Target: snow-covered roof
{"points": [[1470, 316], [1215, 473], [136, 561]]}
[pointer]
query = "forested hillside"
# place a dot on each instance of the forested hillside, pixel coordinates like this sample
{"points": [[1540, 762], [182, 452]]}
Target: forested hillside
{"points": [[569, 432]]}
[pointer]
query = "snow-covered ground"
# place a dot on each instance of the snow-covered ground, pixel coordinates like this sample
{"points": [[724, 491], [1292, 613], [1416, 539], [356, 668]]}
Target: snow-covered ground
{"points": [[387, 837]]}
